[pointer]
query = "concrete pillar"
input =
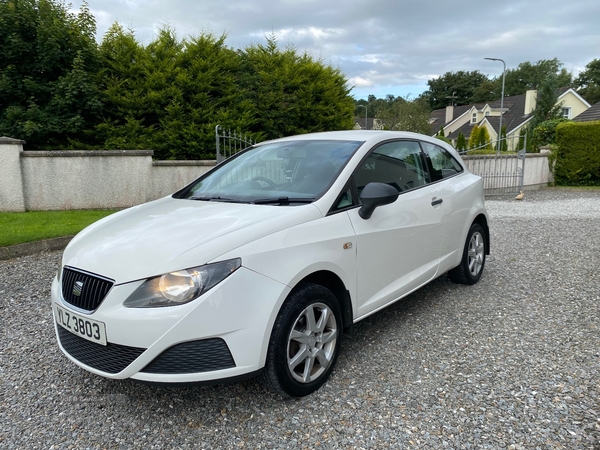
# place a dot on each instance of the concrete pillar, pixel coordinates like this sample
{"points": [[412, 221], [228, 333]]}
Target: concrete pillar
{"points": [[12, 197]]}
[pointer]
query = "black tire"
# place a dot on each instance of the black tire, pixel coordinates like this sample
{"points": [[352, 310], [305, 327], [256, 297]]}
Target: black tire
{"points": [[297, 377], [473, 259]]}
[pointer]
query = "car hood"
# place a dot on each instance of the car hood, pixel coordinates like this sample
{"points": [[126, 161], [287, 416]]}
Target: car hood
{"points": [[172, 234]]}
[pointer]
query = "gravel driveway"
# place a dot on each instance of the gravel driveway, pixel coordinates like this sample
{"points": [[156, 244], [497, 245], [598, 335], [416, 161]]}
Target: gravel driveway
{"points": [[513, 362]]}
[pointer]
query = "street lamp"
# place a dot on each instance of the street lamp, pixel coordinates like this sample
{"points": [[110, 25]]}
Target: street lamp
{"points": [[366, 111], [501, 101]]}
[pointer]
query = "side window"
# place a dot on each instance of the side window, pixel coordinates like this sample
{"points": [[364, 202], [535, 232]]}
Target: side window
{"points": [[399, 164], [444, 165], [345, 200]]}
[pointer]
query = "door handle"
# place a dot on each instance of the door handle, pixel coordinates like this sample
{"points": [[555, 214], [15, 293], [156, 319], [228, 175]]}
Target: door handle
{"points": [[436, 201]]}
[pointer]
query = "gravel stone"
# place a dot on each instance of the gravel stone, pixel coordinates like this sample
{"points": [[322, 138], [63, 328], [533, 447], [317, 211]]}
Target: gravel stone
{"points": [[510, 363]]}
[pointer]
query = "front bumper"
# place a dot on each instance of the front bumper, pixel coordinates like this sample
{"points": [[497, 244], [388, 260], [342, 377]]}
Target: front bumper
{"points": [[223, 334]]}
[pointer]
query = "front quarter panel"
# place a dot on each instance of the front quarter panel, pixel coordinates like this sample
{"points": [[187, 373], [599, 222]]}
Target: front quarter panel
{"points": [[288, 256]]}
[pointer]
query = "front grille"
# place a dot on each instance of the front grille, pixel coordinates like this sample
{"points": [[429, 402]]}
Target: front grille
{"points": [[193, 357], [112, 358], [91, 289]]}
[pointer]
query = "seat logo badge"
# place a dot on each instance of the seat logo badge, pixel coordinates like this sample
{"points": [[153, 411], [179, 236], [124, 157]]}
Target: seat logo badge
{"points": [[77, 288]]}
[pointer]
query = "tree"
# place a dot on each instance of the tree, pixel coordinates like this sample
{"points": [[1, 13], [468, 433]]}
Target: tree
{"points": [[373, 104], [122, 79], [483, 139], [503, 143], [202, 89], [487, 91], [170, 95], [588, 82], [461, 142], [402, 114], [48, 58], [293, 93], [522, 138], [531, 76], [474, 137], [442, 133], [461, 85], [546, 107]]}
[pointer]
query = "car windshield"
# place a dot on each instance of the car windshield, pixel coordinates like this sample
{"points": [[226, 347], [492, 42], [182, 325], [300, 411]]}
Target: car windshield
{"points": [[278, 173]]}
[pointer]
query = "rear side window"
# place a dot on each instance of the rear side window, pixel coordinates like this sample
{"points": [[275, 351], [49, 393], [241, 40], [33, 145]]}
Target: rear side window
{"points": [[443, 164]]}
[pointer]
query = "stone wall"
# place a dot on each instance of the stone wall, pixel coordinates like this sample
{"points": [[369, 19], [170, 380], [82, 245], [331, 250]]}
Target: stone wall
{"points": [[55, 180]]}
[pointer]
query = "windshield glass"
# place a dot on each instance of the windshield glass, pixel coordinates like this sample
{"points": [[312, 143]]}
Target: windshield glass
{"points": [[291, 172]]}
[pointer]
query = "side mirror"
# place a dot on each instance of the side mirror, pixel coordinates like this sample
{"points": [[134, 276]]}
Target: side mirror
{"points": [[374, 195]]}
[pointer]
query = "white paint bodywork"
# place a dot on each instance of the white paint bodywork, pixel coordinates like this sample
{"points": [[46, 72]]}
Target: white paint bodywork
{"points": [[401, 247]]}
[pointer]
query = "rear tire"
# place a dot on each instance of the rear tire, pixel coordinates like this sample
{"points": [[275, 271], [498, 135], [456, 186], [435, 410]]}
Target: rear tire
{"points": [[304, 343], [473, 260]]}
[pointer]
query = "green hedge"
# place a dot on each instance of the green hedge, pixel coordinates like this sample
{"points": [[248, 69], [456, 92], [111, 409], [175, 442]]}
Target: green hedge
{"points": [[577, 154]]}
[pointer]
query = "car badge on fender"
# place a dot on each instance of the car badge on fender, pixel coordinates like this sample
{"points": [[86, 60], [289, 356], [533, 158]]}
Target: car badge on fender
{"points": [[77, 288]]}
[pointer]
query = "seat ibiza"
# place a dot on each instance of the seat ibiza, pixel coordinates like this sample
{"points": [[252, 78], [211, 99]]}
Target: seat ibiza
{"points": [[262, 264]]}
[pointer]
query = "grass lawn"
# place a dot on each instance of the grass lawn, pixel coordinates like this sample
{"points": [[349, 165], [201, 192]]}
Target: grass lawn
{"points": [[20, 227]]}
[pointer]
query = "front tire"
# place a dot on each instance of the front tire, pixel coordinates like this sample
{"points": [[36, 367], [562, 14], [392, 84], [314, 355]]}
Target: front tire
{"points": [[473, 260], [304, 343]]}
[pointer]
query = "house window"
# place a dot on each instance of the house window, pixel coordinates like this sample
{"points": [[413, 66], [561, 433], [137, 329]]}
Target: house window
{"points": [[566, 113], [487, 113], [474, 118]]}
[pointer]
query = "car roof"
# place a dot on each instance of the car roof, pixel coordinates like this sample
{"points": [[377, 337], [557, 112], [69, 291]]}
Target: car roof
{"points": [[352, 135], [370, 137]]}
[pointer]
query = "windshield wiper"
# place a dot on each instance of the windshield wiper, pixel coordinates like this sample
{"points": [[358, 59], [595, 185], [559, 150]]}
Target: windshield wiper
{"points": [[281, 200], [218, 199]]}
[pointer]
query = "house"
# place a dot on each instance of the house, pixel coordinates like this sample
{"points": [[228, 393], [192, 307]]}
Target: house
{"points": [[593, 113], [371, 124], [516, 114]]}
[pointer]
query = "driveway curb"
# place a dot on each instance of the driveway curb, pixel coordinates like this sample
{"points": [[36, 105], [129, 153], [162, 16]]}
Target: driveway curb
{"points": [[31, 248]]}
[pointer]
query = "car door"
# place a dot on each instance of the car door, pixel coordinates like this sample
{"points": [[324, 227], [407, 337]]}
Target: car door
{"points": [[448, 173], [398, 247]]}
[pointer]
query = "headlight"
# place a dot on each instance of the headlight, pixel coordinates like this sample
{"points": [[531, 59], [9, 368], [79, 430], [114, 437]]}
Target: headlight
{"points": [[59, 273], [183, 286]]}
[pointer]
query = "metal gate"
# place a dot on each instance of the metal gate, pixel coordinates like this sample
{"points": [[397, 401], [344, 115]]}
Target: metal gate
{"points": [[502, 172], [229, 143]]}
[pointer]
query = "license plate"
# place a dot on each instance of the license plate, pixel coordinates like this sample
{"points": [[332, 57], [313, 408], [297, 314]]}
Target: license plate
{"points": [[89, 329]]}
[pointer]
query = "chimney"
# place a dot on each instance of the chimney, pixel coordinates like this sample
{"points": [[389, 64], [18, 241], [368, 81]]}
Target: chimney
{"points": [[530, 101], [449, 113]]}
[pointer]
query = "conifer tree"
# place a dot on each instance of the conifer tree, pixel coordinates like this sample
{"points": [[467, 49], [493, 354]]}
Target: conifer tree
{"points": [[461, 142], [503, 141], [473, 138], [483, 139]]}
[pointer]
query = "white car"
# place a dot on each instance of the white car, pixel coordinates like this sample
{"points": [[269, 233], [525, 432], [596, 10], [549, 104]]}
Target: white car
{"points": [[262, 264]]}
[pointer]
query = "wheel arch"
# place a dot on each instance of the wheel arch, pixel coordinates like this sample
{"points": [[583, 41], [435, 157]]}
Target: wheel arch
{"points": [[482, 221], [333, 282]]}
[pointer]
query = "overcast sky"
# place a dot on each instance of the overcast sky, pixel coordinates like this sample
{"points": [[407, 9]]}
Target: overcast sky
{"points": [[382, 46]]}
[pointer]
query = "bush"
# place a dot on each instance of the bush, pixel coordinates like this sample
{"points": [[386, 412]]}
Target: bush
{"points": [[576, 155], [545, 132]]}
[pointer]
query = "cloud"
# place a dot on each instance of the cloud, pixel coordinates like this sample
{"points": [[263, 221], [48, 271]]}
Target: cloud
{"points": [[382, 44]]}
